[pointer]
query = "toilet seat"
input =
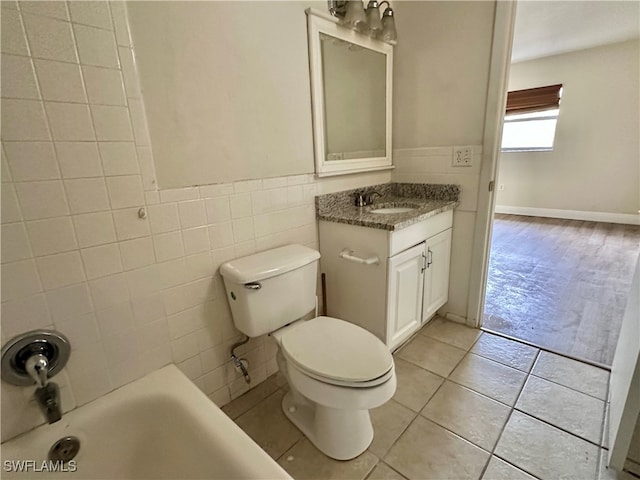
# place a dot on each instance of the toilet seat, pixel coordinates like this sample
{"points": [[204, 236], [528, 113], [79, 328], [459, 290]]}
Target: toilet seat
{"points": [[337, 352]]}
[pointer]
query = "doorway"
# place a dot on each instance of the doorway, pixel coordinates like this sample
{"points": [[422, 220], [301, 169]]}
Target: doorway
{"points": [[560, 284], [560, 266]]}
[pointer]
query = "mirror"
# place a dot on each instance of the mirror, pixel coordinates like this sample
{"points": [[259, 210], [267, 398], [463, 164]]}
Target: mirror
{"points": [[351, 89]]}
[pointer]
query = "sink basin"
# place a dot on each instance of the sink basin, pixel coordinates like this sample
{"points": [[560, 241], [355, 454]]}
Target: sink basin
{"points": [[390, 210]]}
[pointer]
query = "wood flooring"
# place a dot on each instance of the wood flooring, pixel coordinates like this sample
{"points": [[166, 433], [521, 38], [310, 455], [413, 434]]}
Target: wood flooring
{"points": [[561, 284]]}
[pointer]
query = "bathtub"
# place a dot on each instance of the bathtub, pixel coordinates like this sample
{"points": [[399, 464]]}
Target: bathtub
{"points": [[160, 426]]}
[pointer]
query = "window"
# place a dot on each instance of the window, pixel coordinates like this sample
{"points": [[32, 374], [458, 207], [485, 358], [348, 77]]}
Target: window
{"points": [[531, 118]]}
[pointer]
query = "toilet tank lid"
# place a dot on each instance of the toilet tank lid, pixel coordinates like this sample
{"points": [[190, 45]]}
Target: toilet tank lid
{"points": [[270, 263]]}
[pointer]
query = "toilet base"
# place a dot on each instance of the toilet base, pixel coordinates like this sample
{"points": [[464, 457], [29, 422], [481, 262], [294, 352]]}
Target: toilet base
{"points": [[338, 433]]}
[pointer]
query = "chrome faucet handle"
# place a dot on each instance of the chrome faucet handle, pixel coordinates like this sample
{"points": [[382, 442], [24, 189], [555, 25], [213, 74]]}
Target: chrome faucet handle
{"points": [[360, 199], [37, 366]]}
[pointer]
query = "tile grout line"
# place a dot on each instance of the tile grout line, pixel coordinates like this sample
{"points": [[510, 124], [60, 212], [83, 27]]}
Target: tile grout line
{"points": [[418, 413], [546, 422], [566, 386], [547, 349], [386, 464], [512, 408], [445, 379], [542, 349]]}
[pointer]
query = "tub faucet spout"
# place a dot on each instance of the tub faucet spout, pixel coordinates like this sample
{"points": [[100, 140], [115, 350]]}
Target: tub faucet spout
{"points": [[48, 399]]}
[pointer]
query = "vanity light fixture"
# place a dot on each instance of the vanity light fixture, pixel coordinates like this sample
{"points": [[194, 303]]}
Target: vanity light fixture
{"points": [[369, 21]]}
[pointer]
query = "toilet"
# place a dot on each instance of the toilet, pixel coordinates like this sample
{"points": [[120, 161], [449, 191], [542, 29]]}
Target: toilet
{"points": [[337, 371]]}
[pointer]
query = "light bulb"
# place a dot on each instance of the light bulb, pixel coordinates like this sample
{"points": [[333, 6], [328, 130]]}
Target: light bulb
{"points": [[388, 26], [355, 17]]}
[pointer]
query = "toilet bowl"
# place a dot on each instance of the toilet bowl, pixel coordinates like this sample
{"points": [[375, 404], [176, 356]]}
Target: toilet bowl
{"points": [[337, 371]]}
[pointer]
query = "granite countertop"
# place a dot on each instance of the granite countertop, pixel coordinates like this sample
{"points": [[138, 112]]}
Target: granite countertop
{"points": [[427, 200]]}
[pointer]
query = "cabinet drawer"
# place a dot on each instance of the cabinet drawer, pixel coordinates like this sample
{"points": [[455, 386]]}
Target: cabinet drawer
{"points": [[407, 237]]}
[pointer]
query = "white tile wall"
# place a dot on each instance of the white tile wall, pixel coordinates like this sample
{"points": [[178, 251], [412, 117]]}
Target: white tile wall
{"points": [[32, 160], [78, 159], [119, 158], [9, 204], [125, 191], [49, 38], [53, 235], [102, 260], [60, 270], [41, 199], [94, 229], [87, 195], [53, 9], [96, 47], [70, 121], [24, 120], [15, 244], [112, 123], [104, 85], [60, 81], [13, 35], [132, 293], [22, 84], [91, 13], [433, 165]]}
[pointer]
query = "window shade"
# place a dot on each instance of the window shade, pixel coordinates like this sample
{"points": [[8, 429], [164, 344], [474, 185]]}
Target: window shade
{"points": [[534, 99]]}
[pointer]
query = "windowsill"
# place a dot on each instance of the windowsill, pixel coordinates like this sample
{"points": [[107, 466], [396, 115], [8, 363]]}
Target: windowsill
{"points": [[518, 150]]}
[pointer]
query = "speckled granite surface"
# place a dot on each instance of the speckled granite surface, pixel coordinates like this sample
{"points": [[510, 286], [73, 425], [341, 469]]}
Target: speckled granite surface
{"points": [[427, 200]]}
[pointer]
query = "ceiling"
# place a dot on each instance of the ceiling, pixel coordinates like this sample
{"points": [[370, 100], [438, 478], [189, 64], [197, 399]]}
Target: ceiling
{"points": [[545, 28]]}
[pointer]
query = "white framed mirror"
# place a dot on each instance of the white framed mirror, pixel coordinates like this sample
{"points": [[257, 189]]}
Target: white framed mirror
{"points": [[351, 90]]}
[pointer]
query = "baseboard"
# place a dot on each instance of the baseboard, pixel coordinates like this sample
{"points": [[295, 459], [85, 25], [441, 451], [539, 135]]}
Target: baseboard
{"points": [[606, 217]]}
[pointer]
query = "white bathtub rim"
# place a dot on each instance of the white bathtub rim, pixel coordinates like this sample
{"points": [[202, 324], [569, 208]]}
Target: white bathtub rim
{"points": [[169, 382]]}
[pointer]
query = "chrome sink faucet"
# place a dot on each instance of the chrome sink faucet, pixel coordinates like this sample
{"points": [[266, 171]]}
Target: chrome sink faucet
{"points": [[362, 199]]}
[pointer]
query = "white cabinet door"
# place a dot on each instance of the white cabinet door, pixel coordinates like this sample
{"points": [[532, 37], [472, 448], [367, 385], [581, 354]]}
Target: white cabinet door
{"points": [[436, 275], [405, 287]]}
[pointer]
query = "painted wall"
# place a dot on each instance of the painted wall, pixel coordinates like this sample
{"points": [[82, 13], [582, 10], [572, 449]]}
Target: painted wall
{"points": [[224, 107], [440, 87], [132, 294], [595, 163]]}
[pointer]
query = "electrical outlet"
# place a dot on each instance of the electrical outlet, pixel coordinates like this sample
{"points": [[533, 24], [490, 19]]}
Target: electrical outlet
{"points": [[462, 157]]}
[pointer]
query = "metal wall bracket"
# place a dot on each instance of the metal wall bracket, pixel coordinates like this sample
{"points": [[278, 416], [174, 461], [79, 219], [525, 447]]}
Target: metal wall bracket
{"points": [[337, 8]]}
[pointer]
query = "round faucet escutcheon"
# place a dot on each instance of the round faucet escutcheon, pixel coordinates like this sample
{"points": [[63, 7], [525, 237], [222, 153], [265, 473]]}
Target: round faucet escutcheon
{"points": [[33, 357]]}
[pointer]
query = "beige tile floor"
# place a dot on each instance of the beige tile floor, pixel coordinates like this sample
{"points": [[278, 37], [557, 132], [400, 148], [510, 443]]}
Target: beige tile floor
{"points": [[469, 405]]}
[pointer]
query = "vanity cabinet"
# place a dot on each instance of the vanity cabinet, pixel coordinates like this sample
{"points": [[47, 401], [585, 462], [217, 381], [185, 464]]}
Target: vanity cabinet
{"points": [[402, 286]]}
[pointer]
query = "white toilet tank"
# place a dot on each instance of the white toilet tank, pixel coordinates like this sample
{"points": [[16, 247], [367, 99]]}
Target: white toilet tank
{"points": [[270, 289]]}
